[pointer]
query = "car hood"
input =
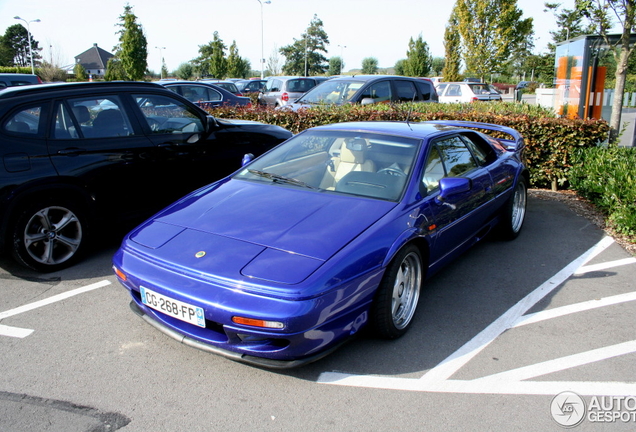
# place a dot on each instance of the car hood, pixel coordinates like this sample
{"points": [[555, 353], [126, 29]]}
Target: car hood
{"points": [[260, 230]]}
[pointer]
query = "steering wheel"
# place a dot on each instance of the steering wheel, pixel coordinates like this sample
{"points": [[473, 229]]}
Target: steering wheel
{"points": [[392, 172]]}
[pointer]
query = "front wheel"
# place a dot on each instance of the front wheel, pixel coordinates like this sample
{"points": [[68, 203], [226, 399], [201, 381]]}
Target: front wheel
{"points": [[398, 294], [49, 236], [514, 212]]}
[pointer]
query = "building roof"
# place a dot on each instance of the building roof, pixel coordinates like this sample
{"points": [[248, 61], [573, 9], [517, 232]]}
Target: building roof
{"points": [[93, 58]]}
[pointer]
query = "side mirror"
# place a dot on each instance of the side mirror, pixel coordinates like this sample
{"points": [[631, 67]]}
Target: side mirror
{"points": [[249, 157], [367, 101], [211, 124], [449, 186]]}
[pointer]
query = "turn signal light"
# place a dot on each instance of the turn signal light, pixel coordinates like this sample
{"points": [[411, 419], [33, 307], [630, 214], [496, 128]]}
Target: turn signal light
{"points": [[258, 323], [120, 274]]}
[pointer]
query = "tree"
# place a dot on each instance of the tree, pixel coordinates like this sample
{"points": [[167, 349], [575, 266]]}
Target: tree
{"points": [[370, 65], [491, 32], [51, 73], [237, 66], [273, 63], [601, 14], [212, 61], [437, 65], [335, 66], [80, 72], [115, 70], [453, 49], [132, 50], [305, 55], [14, 47], [185, 71], [418, 58]]}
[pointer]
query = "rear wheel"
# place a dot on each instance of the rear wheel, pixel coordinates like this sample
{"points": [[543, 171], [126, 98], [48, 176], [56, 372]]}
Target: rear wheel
{"points": [[398, 294], [49, 236], [514, 212]]}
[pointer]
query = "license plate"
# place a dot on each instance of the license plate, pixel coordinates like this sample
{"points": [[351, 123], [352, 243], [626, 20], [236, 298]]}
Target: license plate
{"points": [[174, 308]]}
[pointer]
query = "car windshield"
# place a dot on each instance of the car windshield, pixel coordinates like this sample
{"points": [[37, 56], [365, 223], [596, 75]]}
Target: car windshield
{"points": [[332, 92], [354, 163]]}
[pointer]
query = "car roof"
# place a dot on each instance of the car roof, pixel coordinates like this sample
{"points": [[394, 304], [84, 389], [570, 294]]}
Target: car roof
{"points": [[417, 130], [43, 89], [371, 77]]}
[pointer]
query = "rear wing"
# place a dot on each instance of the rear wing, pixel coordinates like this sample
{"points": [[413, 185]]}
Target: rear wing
{"points": [[515, 142]]}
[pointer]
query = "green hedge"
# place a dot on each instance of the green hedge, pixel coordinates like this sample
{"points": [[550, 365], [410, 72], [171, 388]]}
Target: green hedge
{"points": [[607, 177], [550, 141], [17, 69]]}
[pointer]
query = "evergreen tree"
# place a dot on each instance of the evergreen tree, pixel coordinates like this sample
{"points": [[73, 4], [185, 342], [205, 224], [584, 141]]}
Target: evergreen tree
{"points": [[418, 58], [305, 55], [212, 61], [14, 47], [115, 70], [237, 67], [132, 50], [453, 49], [185, 71], [370, 66], [335, 66], [399, 67], [80, 72]]}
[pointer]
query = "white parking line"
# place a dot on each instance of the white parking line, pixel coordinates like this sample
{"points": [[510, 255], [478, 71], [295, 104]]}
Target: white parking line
{"points": [[21, 333], [513, 381]]}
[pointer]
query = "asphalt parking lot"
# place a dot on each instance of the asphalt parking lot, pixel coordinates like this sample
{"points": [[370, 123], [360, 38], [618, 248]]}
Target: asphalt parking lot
{"points": [[499, 337]]}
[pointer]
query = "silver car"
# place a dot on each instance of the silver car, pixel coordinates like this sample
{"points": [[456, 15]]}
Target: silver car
{"points": [[282, 90], [457, 92]]}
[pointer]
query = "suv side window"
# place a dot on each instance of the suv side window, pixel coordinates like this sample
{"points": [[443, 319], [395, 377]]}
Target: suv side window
{"points": [[379, 92], [91, 117], [167, 115], [426, 88], [25, 122], [406, 91]]}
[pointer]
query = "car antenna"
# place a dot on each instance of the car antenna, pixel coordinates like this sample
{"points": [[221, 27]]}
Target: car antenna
{"points": [[408, 116]]}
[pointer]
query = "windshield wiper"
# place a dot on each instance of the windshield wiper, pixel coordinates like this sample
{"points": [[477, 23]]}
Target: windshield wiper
{"points": [[277, 178]]}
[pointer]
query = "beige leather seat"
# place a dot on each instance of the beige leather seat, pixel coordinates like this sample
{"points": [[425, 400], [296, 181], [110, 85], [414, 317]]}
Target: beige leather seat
{"points": [[352, 158]]}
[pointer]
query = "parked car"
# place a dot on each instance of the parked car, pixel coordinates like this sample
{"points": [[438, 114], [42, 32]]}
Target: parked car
{"points": [[282, 90], [16, 79], [332, 231], [368, 89], [227, 85], [79, 157], [452, 92], [250, 86], [204, 94]]}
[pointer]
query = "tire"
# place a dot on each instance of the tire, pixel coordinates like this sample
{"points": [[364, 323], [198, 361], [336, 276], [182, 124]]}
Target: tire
{"points": [[514, 212], [398, 294], [49, 236]]}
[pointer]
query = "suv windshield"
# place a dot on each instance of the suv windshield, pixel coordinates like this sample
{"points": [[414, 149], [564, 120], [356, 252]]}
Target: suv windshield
{"points": [[332, 92]]}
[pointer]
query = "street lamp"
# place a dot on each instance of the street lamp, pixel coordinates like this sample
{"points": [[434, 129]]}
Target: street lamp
{"points": [[342, 47], [29, 36], [161, 60], [263, 39]]}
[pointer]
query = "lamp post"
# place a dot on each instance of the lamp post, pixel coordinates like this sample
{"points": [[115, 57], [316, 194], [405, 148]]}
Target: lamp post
{"points": [[263, 39], [161, 60], [29, 37], [342, 47]]}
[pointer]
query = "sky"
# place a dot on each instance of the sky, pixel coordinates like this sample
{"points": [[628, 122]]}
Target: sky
{"points": [[174, 29]]}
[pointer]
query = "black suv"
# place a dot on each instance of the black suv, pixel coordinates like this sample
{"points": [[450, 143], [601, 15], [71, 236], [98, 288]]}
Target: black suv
{"points": [[78, 158], [366, 90]]}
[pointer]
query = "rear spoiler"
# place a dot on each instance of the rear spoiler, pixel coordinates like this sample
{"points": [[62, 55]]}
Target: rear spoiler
{"points": [[516, 142]]}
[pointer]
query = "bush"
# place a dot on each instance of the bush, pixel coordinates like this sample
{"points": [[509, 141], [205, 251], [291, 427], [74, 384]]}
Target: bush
{"points": [[550, 141], [607, 177]]}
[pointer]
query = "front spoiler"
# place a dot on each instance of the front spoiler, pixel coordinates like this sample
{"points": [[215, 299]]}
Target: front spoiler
{"points": [[243, 358]]}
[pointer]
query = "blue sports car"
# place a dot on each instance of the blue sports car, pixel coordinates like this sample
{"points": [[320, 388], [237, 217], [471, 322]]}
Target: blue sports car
{"points": [[331, 231]]}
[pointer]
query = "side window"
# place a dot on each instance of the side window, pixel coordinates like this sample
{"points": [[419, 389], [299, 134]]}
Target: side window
{"points": [[406, 91], [96, 117], [454, 90], [481, 150], [457, 158], [213, 95], [168, 115], [434, 170], [25, 122], [379, 92], [426, 89]]}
